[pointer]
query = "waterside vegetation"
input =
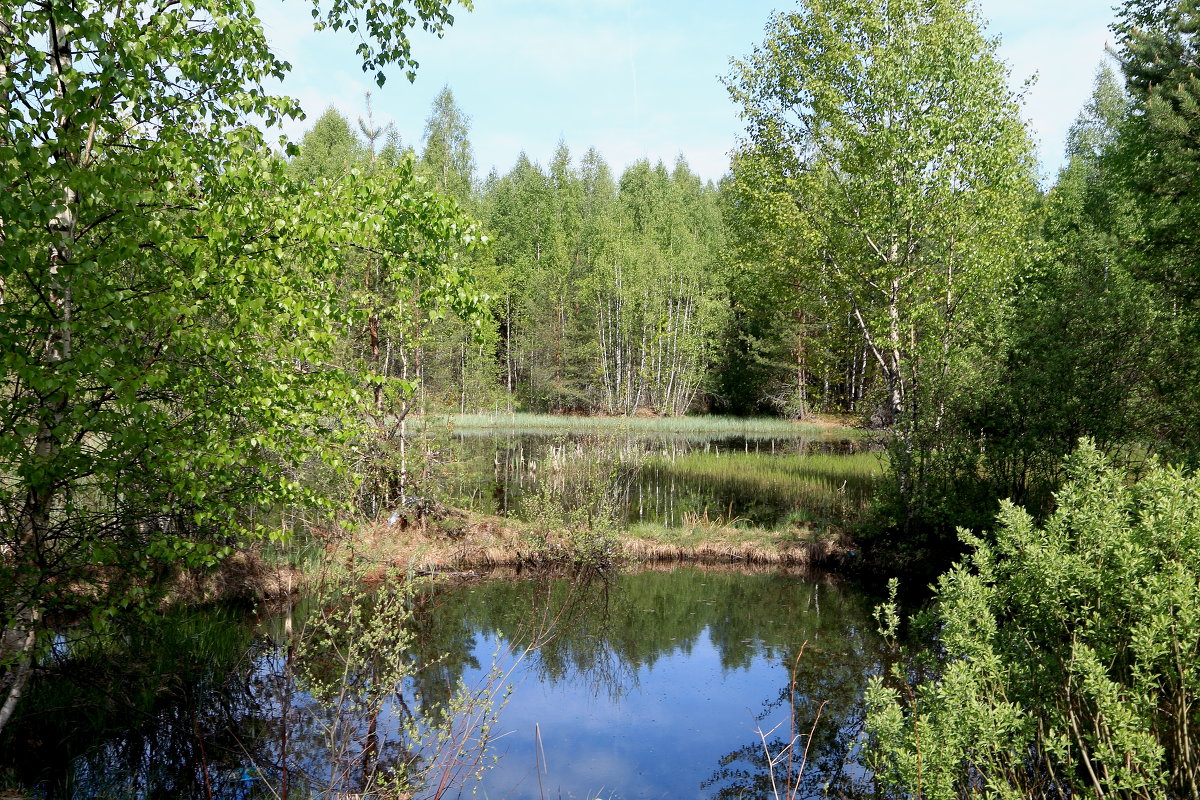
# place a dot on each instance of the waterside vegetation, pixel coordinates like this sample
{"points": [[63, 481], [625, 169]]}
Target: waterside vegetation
{"points": [[229, 365]]}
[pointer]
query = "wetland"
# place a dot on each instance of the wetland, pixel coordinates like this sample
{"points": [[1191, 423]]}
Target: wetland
{"points": [[628, 683]]}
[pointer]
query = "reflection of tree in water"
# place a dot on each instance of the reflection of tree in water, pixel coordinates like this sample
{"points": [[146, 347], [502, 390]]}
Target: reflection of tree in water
{"points": [[499, 469], [358, 708], [441, 653], [616, 629], [140, 712], [569, 616], [809, 733], [581, 648], [198, 705], [812, 752], [221, 710], [645, 616]]}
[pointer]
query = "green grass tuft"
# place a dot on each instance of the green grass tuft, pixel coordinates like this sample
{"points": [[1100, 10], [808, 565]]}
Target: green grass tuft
{"points": [[822, 488]]}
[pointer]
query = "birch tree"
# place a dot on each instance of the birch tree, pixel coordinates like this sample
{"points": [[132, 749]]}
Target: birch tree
{"points": [[659, 293], [522, 220], [447, 158], [793, 347], [165, 328], [612, 294], [890, 127]]}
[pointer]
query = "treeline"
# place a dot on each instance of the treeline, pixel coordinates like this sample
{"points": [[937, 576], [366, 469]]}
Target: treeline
{"points": [[605, 294], [655, 291]]}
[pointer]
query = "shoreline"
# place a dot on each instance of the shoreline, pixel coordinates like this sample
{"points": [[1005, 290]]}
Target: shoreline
{"points": [[474, 542], [443, 539]]}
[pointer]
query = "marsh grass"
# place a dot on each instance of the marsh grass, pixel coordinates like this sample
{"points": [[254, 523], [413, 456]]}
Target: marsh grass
{"points": [[697, 425], [822, 488], [571, 495], [829, 494]]}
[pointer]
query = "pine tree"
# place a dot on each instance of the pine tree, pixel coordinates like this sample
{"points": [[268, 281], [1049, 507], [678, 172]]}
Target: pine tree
{"points": [[1159, 53]]}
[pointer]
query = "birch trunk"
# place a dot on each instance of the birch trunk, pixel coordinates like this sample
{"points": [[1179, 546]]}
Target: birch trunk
{"points": [[5, 32], [605, 375], [508, 363], [42, 496], [801, 367], [24, 668]]}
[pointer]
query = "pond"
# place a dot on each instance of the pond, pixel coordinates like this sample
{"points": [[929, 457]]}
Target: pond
{"points": [[654, 684], [666, 479]]}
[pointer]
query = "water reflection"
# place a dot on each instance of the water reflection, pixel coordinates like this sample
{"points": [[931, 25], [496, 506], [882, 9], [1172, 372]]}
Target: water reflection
{"points": [[654, 684], [670, 480], [137, 714], [659, 689], [324, 699]]}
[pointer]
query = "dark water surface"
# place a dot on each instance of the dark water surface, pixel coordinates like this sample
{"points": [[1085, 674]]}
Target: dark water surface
{"points": [[651, 685], [665, 479]]}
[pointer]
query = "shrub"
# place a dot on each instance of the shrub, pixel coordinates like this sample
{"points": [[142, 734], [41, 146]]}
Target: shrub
{"points": [[1066, 657]]}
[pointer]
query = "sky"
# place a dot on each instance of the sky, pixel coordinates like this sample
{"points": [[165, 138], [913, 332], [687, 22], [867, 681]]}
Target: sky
{"points": [[638, 78]]}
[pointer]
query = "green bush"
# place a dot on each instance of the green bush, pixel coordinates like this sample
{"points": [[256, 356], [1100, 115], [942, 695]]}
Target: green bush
{"points": [[576, 525], [1067, 657]]}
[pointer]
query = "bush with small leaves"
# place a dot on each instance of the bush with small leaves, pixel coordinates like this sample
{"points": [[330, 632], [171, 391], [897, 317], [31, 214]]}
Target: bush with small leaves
{"points": [[1067, 656]]}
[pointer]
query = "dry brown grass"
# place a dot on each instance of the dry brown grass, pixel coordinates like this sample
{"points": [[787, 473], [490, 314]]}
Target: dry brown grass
{"points": [[784, 552], [465, 540], [488, 542], [469, 541], [245, 575]]}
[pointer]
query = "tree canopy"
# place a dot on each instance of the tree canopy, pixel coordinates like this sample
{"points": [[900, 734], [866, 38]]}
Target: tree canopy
{"points": [[165, 326]]}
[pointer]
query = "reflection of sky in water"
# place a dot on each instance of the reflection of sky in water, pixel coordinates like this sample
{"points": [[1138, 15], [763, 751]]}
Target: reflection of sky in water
{"points": [[662, 739], [651, 686]]}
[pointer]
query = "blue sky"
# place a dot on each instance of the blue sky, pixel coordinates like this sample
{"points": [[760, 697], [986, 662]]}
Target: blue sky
{"points": [[638, 78]]}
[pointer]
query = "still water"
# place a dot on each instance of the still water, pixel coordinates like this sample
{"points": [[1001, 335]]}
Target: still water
{"points": [[670, 480], [654, 684], [664, 689]]}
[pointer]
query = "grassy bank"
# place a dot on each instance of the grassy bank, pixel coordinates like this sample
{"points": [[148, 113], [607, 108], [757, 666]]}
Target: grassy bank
{"points": [[475, 541], [464, 541], [574, 519]]}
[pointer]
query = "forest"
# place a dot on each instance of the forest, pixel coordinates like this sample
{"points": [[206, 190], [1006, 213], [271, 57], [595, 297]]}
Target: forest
{"points": [[213, 342]]}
